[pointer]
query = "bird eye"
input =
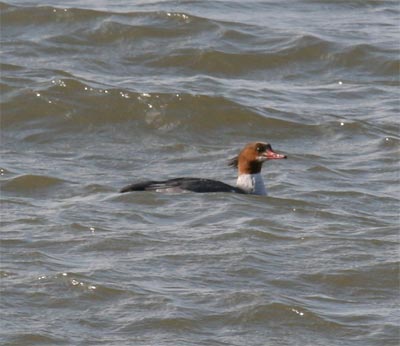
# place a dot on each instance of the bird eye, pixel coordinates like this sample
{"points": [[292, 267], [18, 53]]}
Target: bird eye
{"points": [[260, 148]]}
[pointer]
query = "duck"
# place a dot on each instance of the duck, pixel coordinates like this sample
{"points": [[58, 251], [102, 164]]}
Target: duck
{"points": [[248, 163]]}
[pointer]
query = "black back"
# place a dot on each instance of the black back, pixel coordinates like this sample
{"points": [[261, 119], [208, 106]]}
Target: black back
{"points": [[198, 185]]}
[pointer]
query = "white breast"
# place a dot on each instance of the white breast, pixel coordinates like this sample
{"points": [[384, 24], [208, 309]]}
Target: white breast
{"points": [[252, 183]]}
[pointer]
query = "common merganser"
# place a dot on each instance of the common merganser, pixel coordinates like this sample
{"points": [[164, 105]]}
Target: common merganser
{"points": [[249, 181]]}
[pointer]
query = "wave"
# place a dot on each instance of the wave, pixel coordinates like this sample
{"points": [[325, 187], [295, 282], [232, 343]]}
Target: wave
{"points": [[30, 182], [381, 276], [57, 105], [234, 49], [225, 60]]}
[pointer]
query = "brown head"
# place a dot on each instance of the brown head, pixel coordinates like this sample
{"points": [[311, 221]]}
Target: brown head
{"points": [[252, 156]]}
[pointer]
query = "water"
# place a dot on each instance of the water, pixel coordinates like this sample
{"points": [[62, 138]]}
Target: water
{"points": [[98, 95]]}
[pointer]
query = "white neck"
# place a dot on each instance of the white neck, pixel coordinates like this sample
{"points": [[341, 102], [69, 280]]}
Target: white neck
{"points": [[252, 183]]}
